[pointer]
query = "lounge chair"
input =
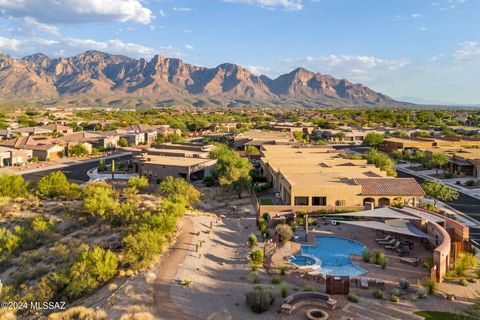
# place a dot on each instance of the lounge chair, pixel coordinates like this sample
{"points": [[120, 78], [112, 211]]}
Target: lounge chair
{"points": [[387, 238], [392, 247], [402, 250], [388, 243], [363, 283], [411, 261]]}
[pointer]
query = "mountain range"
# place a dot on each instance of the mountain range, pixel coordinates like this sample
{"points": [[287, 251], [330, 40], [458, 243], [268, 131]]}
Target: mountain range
{"points": [[99, 78]]}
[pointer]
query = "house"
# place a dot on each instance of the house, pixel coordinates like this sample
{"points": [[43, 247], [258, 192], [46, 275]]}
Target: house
{"points": [[188, 161], [165, 129], [315, 178], [43, 147], [102, 140], [259, 137], [12, 157], [58, 128]]}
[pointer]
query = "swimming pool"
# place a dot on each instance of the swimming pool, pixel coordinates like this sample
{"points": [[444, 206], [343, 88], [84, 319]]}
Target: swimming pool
{"points": [[334, 254]]}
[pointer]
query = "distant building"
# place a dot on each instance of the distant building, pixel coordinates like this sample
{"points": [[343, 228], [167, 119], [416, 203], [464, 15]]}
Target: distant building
{"points": [[42, 147], [188, 161], [12, 157], [259, 138]]}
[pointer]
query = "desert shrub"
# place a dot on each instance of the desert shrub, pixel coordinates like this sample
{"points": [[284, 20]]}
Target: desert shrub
{"points": [[431, 286], [308, 289], [141, 247], [464, 282], [283, 270], [252, 240], [178, 186], [253, 277], [428, 263], [382, 261], [99, 199], [352, 297], [421, 293], [140, 183], [92, 268], [55, 184], [186, 282], [470, 183], [366, 256], [284, 291], [262, 225], [256, 256], [403, 284], [472, 280], [209, 181], [378, 294], [394, 298], [284, 233], [413, 297], [259, 300], [276, 280], [79, 313], [13, 186]]}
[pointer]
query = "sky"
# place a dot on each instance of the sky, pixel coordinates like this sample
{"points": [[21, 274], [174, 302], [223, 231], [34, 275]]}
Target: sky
{"points": [[423, 49]]}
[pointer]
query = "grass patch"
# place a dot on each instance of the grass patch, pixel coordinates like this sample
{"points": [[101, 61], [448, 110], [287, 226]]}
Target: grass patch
{"points": [[438, 315], [266, 202]]}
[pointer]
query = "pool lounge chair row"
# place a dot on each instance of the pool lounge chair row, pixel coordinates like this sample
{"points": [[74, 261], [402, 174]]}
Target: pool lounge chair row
{"points": [[366, 283], [392, 243]]}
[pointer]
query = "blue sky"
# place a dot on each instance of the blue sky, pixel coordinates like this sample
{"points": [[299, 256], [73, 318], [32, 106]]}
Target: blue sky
{"points": [[404, 48]]}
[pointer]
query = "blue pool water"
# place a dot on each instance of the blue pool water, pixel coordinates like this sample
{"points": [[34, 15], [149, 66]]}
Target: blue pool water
{"points": [[334, 254], [302, 261]]}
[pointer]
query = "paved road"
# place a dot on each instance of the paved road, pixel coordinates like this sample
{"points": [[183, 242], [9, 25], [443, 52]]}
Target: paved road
{"points": [[75, 173]]}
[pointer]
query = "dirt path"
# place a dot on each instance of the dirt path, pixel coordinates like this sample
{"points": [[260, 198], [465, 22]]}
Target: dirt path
{"points": [[166, 271]]}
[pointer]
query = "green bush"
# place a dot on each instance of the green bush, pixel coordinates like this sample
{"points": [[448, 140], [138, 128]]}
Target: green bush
{"points": [[284, 290], [464, 282], [283, 270], [382, 261], [252, 240], [431, 286], [284, 233], [352, 297], [13, 186], [55, 184], [256, 256], [209, 181], [99, 199], [259, 300], [421, 293], [90, 270], [378, 294], [253, 277], [394, 298], [179, 186], [366, 256], [414, 297], [140, 183], [309, 289], [472, 280], [276, 280], [403, 284]]}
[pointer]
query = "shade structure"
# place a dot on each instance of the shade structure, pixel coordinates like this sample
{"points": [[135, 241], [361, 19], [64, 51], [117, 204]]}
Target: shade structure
{"points": [[384, 213], [395, 226]]}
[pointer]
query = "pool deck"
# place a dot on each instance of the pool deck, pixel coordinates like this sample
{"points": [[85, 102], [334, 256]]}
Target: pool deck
{"points": [[394, 270]]}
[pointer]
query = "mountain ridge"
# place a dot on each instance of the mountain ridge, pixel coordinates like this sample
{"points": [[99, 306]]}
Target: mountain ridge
{"points": [[97, 75]]}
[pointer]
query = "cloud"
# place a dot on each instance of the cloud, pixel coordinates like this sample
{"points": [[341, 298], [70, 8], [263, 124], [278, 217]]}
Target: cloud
{"points": [[30, 26], [71, 46], [162, 13], [78, 11], [401, 17], [294, 5], [469, 51], [352, 67], [189, 47], [182, 9], [259, 70]]}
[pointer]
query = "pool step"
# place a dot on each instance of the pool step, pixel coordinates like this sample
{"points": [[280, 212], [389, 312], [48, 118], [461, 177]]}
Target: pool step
{"points": [[374, 311]]}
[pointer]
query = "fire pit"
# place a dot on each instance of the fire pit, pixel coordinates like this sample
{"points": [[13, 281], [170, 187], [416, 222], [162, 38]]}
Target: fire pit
{"points": [[316, 314]]}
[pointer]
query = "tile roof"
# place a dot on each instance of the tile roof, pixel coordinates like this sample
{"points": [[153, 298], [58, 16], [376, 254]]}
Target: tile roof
{"points": [[389, 187]]}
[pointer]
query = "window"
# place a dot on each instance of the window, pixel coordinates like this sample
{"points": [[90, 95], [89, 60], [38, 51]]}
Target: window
{"points": [[301, 201], [340, 203], [319, 201]]}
